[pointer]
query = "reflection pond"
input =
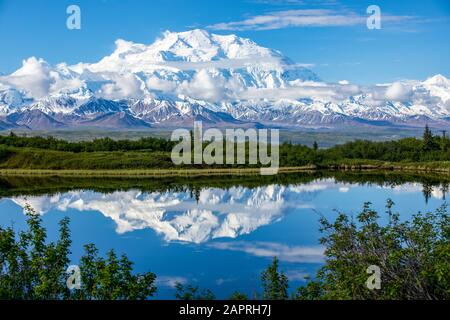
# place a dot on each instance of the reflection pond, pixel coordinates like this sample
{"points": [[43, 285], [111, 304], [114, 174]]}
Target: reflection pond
{"points": [[215, 232]]}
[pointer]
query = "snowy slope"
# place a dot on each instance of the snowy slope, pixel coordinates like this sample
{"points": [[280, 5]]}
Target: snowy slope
{"points": [[196, 75]]}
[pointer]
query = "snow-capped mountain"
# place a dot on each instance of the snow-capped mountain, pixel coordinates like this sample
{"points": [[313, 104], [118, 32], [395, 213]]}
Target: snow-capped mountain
{"points": [[219, 79]]}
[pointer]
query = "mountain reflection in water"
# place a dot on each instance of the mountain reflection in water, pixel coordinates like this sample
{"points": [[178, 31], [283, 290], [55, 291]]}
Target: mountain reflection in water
{"points": [[215, 232], [211, 213]]}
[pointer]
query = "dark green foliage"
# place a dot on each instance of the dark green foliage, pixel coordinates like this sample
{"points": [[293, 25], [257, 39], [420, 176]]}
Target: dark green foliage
{"points": [[444, 142], [431, 148], [238, 296], [292, 155], [414, 257], [428, 143], [4, 153], [55, 160], [96, 145], [274, 283], [190, 292], [312, 291], [315, 146], [112, 278], [31, 269], [50, 153]]}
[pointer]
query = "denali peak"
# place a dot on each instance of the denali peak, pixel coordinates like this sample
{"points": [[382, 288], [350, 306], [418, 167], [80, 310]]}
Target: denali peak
{"points": [[219, 78]]}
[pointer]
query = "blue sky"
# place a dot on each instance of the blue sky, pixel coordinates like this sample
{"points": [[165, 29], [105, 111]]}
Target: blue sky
{"points": [[413, 42]]}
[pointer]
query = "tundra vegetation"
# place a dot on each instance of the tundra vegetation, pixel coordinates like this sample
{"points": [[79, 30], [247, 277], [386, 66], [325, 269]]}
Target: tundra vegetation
{"points": [[19, 152]]}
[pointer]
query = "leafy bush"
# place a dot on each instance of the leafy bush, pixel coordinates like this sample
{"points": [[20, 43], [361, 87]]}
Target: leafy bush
{"points": [[413, 256], [190, 292], [31, 269], [4, 153], [274, 283]]}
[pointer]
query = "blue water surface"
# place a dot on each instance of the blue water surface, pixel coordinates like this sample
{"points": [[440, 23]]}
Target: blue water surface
{"points": [[223, 239]]}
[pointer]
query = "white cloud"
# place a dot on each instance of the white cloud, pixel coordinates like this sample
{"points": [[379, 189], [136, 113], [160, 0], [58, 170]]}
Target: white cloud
{"points": [[33, 78], [221, 281], [297, 254], [325, 91], [69, 85], [170, 281], [295, 275], [437, 192], [224, 63], [204, 86], [155, 83], [301, 18], [123, 86], [398, 92], [37, 79]]}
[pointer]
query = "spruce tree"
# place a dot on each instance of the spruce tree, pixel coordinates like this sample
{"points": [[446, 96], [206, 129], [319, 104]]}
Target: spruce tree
{"points": [[427, 139]]}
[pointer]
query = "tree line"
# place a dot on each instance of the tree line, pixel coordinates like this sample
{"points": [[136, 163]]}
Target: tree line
{"points": [[96, 145], [431, 147]]}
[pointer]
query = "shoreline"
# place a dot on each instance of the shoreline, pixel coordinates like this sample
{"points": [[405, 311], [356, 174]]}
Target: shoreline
{"points": [[392, 167], [148, 172]]}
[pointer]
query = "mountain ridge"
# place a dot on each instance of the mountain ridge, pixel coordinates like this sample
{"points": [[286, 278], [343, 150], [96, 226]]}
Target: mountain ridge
{"points": [[219, 79]]}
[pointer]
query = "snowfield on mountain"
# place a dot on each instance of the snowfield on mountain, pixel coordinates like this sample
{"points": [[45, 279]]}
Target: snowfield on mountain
{"points": [[223, 80]]}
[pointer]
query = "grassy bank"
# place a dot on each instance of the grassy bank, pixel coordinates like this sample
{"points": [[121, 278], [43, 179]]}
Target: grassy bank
{"points": [[363, 165], [147, 172], [152, 157], [39, 162]]}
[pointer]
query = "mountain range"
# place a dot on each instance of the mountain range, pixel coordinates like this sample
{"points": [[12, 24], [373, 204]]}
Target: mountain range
{"points": [[222, 80]]}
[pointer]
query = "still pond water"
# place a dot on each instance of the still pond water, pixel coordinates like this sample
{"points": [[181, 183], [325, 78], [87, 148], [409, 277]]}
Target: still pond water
{"points": [[216, 232]]}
